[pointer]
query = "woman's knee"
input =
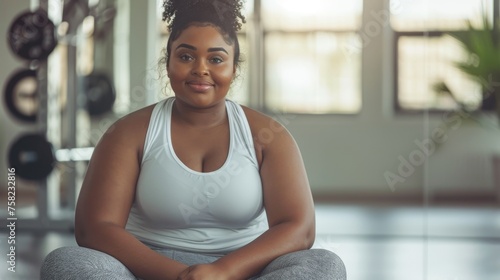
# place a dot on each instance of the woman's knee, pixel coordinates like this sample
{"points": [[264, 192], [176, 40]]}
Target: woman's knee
{"points": [[82, 263], [309, 264], [57, 261], [331, 262]]}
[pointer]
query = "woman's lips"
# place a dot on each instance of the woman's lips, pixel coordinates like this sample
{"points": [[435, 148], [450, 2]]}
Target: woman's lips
{"points": [[199, 86]]}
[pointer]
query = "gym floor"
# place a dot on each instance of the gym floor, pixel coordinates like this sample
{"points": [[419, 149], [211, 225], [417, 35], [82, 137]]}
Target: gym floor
{"points": [[375, 242]]}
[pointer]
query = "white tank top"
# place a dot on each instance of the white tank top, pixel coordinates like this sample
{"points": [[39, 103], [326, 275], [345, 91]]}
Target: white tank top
{"points": [[178, 208]]}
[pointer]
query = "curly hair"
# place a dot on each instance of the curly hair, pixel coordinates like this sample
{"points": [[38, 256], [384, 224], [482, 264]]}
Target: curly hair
{"points": [[225, 15]]}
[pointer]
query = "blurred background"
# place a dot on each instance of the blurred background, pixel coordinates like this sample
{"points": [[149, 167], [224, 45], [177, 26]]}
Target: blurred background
{"points": [[392, 102]]}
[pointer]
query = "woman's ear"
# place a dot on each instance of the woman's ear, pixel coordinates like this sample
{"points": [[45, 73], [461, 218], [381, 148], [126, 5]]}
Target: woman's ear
{"points": [[166, 61], [234, 74]]}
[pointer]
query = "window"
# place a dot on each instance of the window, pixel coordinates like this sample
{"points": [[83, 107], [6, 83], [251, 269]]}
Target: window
{"points": [[426, 56], [307, 69], [309, 65]]}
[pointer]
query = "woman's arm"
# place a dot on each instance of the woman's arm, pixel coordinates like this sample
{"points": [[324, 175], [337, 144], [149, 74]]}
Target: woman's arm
{"points": [[288, 203], [107, 195]]}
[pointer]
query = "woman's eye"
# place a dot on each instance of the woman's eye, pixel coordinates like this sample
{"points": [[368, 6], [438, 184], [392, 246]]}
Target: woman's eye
{"points": [[186, 57], [216, 60]]}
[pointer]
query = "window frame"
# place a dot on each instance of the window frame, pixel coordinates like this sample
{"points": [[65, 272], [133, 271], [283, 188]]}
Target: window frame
{"points": [[265, 107], [397, 35], [258, 95], [256, 69]]}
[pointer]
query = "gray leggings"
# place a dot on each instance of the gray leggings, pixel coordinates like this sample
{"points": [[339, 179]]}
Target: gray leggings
{"points": [[83, 263]]}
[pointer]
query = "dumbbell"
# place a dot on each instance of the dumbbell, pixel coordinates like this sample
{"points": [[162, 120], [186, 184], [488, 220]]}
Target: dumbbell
{"points": [[32, 36], [34, 157], [99, 93], [21, 94]]}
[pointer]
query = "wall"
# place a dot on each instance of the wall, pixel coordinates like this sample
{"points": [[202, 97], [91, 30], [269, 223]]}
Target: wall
{"points": [[345, 155], [349, 155]]}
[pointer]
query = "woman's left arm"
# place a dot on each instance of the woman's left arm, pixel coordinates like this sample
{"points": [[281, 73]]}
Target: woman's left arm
{"points": [[289, 207]]}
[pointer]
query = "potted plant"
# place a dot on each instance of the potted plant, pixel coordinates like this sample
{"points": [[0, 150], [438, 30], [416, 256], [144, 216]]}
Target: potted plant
{"points": [[481, 63]]}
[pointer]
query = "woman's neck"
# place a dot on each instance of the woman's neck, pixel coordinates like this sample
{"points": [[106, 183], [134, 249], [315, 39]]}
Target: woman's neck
{"points": [[199, 117]]}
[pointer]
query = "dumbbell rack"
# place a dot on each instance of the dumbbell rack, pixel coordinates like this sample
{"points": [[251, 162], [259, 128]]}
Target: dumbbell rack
{"points": [[49, 214]]}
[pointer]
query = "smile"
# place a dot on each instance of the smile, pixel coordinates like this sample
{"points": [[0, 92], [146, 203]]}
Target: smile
{"points": [[199, 86]]}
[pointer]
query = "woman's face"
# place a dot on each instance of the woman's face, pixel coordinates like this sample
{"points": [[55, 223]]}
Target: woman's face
{"points": [[201, 66]]}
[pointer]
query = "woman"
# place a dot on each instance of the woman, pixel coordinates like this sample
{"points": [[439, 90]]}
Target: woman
{"points": [[189, 188]]}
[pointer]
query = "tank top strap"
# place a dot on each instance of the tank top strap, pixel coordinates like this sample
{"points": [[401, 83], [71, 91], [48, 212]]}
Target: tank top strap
{"points": [[242, 134], [157, 124], [159, 128]]}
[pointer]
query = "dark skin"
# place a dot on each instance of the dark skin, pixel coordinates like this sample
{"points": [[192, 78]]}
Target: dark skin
{"points": [[201, 69]]}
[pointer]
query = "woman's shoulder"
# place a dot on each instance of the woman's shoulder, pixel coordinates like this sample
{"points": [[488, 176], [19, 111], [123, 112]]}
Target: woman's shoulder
{"points": [[136, 120], [129, 130], [266, 131]]}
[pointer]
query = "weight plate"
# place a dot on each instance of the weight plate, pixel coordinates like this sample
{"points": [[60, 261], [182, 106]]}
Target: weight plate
{"points": [[99, 92], [32, 35], [21, 95], [32, 156]]}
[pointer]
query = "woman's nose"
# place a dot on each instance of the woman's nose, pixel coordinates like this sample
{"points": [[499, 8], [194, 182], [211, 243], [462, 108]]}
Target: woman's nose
{"points": [[200, 68]]}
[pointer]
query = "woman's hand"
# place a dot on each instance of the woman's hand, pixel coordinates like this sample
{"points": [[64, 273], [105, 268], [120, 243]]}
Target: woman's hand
{"points": [[203, 272]]}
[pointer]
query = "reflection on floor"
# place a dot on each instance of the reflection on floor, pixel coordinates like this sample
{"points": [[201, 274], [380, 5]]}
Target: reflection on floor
{"points": [[386, 243], [405, 243]]}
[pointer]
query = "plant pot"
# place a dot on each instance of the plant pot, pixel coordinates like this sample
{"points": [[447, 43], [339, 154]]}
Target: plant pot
{"points": [[489, 103]]}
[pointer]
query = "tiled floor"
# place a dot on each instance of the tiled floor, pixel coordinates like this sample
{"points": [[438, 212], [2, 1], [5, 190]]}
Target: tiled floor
{"points": [[406, 243], [386, 243]]}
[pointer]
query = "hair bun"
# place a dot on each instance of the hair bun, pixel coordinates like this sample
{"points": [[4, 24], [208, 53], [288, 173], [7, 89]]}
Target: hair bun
{"points": [[224, 13]]}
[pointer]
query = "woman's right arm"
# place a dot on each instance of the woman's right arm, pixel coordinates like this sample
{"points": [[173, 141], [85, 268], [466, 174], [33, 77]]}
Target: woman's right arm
{"points": [[107, 195]]}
